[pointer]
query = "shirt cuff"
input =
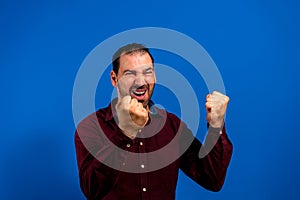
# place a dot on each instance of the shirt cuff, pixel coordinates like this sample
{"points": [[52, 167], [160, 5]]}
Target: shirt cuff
{"points": [[213, 130]]}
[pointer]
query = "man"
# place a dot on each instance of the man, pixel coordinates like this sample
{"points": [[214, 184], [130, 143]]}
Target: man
{"points": [[133, 150]]}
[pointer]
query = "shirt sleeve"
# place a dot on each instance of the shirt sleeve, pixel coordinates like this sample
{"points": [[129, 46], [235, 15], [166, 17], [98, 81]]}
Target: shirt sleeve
{"points": [[207, 164], [96, 178]]}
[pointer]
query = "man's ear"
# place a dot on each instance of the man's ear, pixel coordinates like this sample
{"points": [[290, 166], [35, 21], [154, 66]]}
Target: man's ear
{"points": [[113, 78]]}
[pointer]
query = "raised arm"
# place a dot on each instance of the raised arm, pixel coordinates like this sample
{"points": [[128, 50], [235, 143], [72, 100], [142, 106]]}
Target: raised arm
{"points": [[207, 164]]}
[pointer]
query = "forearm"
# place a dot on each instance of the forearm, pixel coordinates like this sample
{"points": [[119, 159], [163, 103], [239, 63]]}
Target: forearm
{"points": [[94, 181], [95, 153], [219, 150], [207, 164]]}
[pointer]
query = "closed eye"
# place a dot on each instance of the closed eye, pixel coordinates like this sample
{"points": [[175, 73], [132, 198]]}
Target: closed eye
{"points": [[129, 72], [149, 71]]}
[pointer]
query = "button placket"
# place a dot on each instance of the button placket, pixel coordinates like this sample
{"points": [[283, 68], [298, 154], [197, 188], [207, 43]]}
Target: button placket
{"points": [[143, 168], [142, 155], [128, 148]]}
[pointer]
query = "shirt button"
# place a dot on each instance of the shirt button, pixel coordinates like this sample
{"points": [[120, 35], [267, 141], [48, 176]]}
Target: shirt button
{"points": [[123, 164], [140, 130], [143, 166], [141, 143], [128, 145], [144, 189]]}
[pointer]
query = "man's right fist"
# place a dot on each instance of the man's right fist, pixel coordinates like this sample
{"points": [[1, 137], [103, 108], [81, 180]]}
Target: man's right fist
{"points": [[132, 116]]}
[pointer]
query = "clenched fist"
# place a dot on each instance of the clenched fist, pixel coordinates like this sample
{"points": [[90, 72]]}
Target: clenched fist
{"points": [[216, 104], [132, 116]]}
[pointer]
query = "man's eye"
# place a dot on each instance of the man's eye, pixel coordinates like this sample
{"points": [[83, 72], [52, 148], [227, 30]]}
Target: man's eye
{"points": [[148, 72], [128, 73]]}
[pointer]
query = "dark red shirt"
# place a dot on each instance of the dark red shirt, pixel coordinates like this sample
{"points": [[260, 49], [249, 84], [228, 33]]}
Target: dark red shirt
{"points": [[113, 166]]}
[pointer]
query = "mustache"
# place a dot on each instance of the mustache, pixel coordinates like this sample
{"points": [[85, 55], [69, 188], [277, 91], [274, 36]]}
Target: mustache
{"points": [[134, 87]]}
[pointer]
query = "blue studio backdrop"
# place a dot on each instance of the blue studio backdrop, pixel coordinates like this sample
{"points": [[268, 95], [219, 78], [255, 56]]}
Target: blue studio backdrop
{"points": [[255, 45]]}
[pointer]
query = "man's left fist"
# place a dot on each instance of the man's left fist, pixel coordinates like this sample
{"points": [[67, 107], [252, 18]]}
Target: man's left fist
{"points": [[216, 104]]}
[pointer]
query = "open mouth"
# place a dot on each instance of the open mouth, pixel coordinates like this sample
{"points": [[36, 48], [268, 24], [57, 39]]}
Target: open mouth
{"points": [[139, 93]]}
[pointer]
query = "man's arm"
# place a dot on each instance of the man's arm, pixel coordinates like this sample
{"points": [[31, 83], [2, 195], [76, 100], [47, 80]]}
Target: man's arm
{"points": [[93, 182], [95, 152], [207, 164], [208, 171], [96, 179]]}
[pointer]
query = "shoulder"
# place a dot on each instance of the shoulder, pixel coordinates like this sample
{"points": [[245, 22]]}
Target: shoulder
{"points": [[93, 119]]}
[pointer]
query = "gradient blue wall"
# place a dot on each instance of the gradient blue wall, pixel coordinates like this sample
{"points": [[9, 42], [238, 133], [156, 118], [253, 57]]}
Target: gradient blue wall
{"points": [[255, 45]]}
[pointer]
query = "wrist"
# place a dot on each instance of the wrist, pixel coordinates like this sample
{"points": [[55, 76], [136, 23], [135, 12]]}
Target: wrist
{"points": [[216, 131], [129, 131], [217, 124]]}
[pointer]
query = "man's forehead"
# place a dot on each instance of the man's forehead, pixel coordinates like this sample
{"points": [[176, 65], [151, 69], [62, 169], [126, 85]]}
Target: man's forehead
{"points": [[134, 57], [141, 67], [135, 61]]}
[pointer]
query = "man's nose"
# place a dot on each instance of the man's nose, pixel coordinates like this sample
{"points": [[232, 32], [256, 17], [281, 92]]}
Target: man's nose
{"points": [[140, 80]]}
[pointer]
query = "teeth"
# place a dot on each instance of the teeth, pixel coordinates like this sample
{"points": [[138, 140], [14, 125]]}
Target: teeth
{"points": [[139, 92]]}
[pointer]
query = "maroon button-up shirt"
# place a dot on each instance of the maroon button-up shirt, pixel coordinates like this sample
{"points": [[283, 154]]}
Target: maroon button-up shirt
{"points": [[113, 166]]}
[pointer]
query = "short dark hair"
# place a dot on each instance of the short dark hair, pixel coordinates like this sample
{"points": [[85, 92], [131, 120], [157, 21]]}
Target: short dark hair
{"points": [[128, 50]]}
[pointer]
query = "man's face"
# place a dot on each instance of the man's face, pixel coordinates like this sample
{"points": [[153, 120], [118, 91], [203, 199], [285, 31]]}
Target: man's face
{"points": [[136, 77]]}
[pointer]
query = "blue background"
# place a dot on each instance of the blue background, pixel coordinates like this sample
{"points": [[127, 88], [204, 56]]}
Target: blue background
{"points": [[255, 45]]}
